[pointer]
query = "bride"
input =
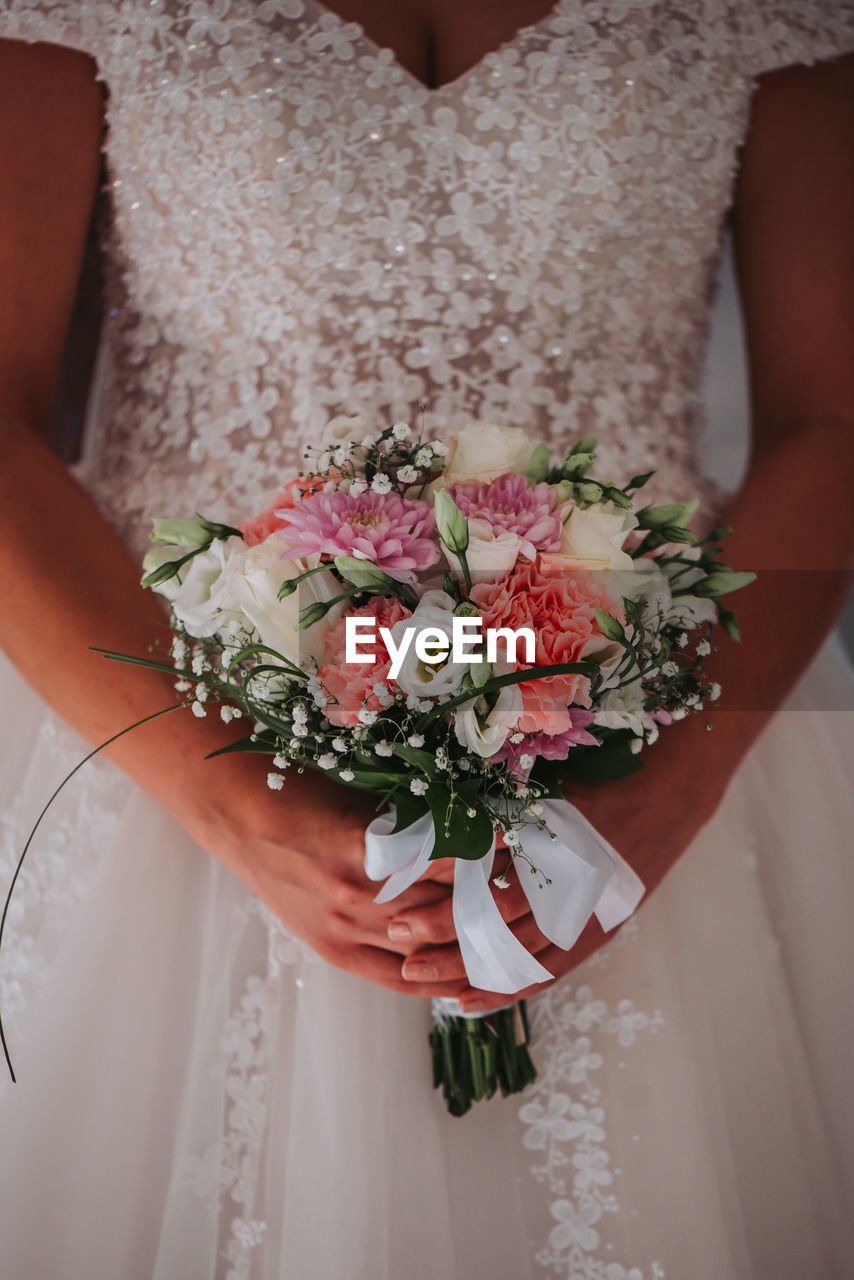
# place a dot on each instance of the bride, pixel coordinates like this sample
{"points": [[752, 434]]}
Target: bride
{"points": [[510, 211]]}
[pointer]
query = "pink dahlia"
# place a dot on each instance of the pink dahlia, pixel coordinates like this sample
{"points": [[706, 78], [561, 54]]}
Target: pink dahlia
{"points": [[509, 505], [560, 607], [394, 533]]}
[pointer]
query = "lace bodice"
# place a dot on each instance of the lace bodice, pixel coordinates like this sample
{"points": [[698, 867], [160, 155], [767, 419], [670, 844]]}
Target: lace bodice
{"points": [[297, 228]]}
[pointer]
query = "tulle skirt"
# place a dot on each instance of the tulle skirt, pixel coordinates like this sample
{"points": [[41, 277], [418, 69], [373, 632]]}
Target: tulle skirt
{"points": [[200, 1096]]}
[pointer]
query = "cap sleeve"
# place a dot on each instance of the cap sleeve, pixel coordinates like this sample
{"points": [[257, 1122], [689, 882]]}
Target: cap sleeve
{"points": [[780, 33], [73, 23]]}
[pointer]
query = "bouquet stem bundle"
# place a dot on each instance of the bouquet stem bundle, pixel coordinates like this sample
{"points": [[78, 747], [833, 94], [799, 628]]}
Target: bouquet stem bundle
{"points": [[473, 1057]]}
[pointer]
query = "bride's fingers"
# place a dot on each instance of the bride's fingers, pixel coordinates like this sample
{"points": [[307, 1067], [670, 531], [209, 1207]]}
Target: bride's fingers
{"points": [[434, 924], [445, 964], [383, 968]]}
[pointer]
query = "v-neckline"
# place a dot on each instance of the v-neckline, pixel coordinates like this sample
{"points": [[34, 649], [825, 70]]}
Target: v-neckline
{"points": [[469, 73]]}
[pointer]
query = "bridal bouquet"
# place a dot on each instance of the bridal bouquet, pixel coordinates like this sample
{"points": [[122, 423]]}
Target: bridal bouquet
{"points": [[456, 629]]}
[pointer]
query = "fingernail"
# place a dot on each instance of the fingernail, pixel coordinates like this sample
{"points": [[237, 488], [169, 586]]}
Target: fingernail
{"points": [[419, 971], [398, 931]]}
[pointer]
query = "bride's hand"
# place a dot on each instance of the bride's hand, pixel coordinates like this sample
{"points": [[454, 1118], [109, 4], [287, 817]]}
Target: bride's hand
{"points": [[627, 812], [301, 849]]}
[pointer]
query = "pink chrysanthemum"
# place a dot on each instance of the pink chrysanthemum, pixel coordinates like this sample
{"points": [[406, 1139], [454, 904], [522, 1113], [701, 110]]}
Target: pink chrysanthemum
{"points": [[509, 505], [551, 746], [394, 533], [258, 528]]}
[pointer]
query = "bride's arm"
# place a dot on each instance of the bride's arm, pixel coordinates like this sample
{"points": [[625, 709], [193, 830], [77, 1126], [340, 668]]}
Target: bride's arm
{"points": [[794, 515], [66, 582]]}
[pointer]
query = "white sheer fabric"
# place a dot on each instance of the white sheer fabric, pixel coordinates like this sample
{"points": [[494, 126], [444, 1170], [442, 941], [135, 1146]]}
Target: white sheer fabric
{"points": [[298, 228]]}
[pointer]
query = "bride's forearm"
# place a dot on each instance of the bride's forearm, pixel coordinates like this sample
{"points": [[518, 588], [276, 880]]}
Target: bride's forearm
{"points": [[68, 583], [793, 522]]}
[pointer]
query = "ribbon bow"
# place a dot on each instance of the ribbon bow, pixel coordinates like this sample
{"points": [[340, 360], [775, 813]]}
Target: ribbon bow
{"points": [[587, 876]]}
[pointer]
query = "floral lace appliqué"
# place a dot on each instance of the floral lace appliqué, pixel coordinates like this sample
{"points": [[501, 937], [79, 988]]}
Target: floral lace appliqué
{"points": [[565, 1125]]}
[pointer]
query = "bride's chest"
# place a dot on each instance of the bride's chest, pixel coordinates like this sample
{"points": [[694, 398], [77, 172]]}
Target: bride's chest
{"points": [[252, 137]]}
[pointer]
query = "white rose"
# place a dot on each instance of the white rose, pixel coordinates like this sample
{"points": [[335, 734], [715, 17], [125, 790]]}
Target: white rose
{"points": [[202, 602], [490, 554], [425, 679], [485, 731], [483, 451], [254, 576], [598, 533]]}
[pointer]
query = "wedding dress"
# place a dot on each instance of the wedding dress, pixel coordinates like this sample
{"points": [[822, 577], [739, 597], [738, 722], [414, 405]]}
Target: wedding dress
{"points": [[295, 227]]}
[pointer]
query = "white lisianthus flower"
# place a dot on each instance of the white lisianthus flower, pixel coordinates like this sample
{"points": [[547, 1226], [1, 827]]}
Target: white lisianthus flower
{"points": [[342, 429], [203, 601], [254, 575], [598, 533], [484, 730], [607, 654], [425, 679], [483, 451], [159, 556], [623, 708], [490, 553]]}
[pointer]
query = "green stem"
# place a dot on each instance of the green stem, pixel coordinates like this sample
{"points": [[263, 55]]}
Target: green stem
{"points": [[512, 677], [164, 711]]}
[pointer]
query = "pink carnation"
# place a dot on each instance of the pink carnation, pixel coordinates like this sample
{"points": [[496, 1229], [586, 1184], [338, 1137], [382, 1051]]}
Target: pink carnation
{"points": [[551, 746], [353, 685], [560, 608], [389, 531], [510, 506], [258, 528]]}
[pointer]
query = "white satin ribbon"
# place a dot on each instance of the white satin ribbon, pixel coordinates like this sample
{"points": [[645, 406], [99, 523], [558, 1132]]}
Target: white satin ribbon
{"points": [[587, 877]]}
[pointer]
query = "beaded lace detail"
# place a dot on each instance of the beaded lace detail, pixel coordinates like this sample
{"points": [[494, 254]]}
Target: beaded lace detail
{"points": [[299, 228]]}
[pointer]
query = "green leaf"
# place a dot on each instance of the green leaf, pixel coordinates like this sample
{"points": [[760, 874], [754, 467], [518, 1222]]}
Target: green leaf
{"points": [[722, 582], [538, 464], [638, 482], [263, 743], [424, 760], [459, 835], [612, 759], [366, 779], [610, 626], [513, 677], [407, 809], [728, 621]]}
